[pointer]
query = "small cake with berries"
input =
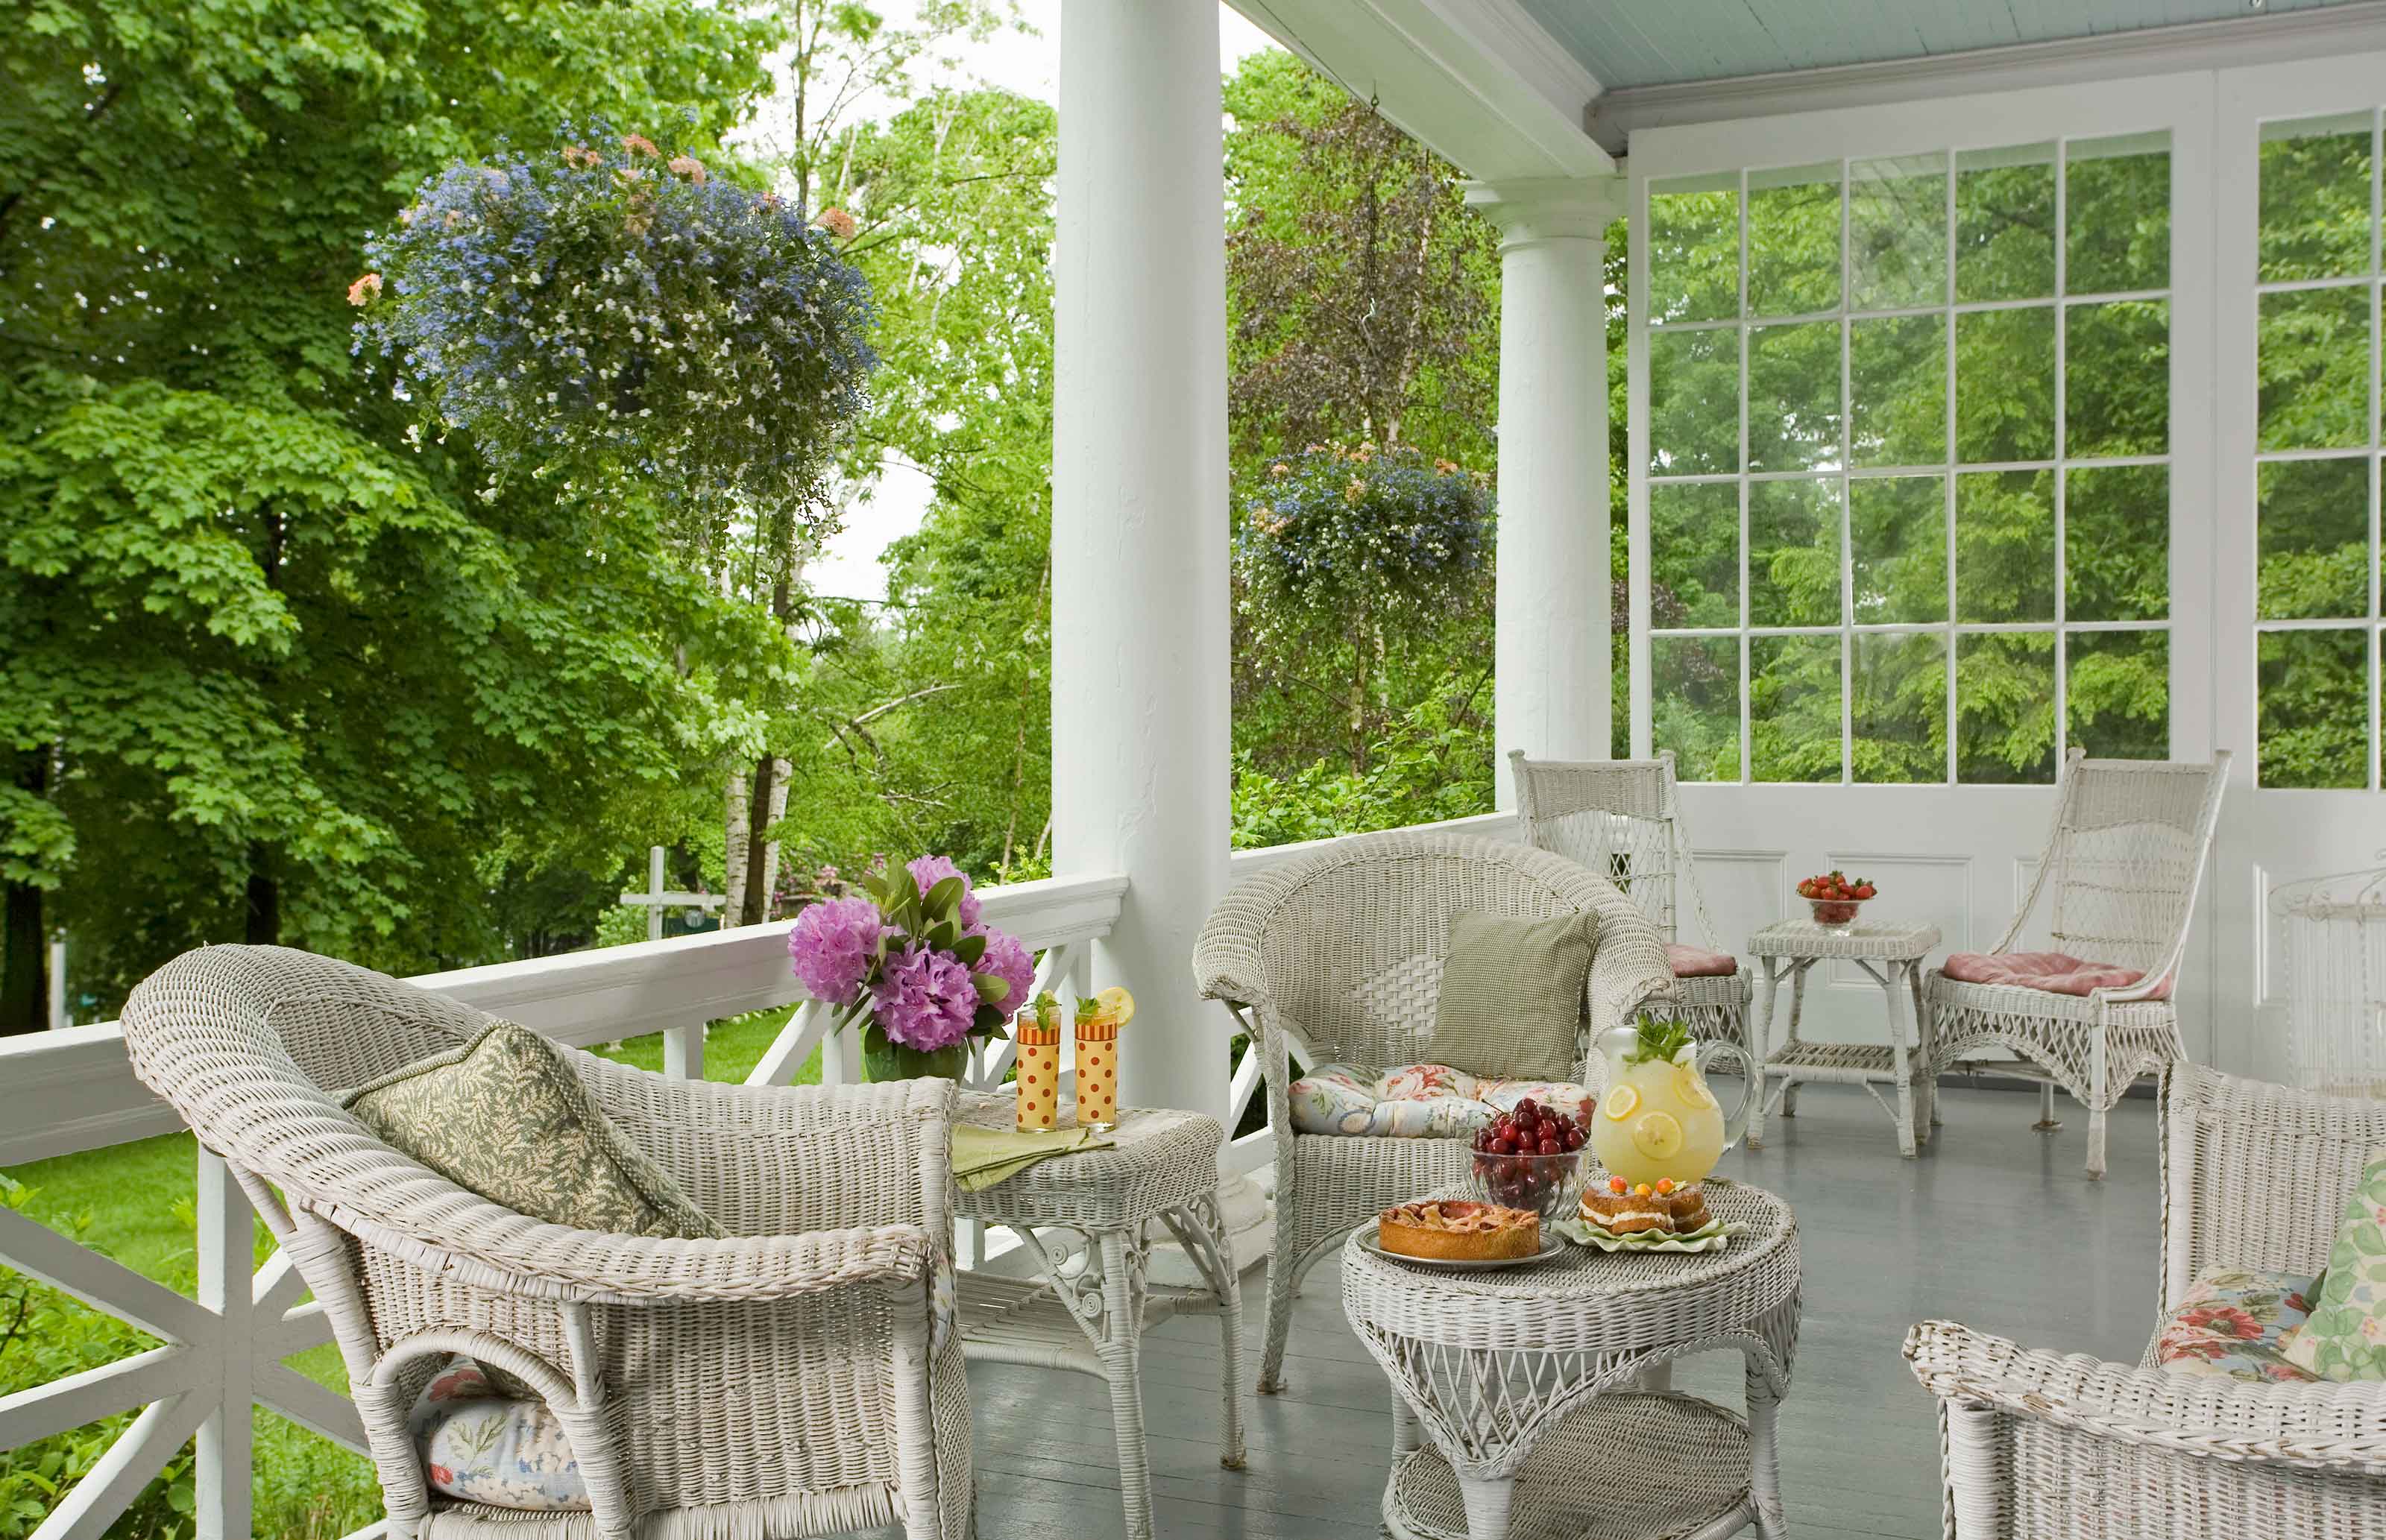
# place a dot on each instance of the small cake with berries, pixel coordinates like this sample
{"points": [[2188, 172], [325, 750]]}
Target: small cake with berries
{"points": [[1621, 1207], [1459, 1230]]}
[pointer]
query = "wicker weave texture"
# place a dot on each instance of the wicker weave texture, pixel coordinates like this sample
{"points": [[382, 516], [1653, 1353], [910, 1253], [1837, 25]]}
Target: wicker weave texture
{"points": [[2121, 870], [1623, 819], [1500, 1370], [794, 1378], [1333, 954], [2041, 1446]]}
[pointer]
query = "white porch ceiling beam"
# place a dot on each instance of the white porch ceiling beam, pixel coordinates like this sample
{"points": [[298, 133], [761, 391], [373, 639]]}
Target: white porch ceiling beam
{"points": [[1478, 81], [2274, 39]]}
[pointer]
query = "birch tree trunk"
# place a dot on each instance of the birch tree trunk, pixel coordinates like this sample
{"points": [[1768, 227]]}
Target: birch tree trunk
{"points": [[738, 830]]}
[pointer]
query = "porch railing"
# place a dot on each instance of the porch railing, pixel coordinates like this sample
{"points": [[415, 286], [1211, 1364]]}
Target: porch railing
{"points": [[222, 1351]]}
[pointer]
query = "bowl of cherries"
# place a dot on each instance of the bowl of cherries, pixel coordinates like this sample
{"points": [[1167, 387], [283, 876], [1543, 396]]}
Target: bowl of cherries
{"points": [[1531, 1158], [1836, 897]]}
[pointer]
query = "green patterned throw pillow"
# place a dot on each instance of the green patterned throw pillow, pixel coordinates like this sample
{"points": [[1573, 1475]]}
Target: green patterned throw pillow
{"points": [[504, 1116], [1512, 995], [2345, 1338]]}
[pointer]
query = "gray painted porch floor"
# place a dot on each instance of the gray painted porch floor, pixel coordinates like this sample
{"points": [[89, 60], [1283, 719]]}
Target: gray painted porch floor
{"points": [[1994, 1226]]}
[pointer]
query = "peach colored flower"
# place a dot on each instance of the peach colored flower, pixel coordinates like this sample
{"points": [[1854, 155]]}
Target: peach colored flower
{"points": [[638, 144], [1279, 471], [690, 168], [837, 222], [1354, 491], [581, 154], [365, 290]]}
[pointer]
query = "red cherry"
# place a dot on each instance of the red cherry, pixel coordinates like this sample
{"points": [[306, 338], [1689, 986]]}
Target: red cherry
{"points": [[1550, 1145], [1573, 1138], [1526, 1107]]}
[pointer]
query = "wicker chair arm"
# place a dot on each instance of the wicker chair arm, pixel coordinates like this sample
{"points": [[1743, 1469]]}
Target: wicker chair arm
{"points": [[2313, 1427], [489, 1247], [1227, 958]]}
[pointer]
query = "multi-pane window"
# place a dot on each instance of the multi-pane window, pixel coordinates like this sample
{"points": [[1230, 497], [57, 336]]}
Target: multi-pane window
{"points": [[2316, 441], [1909, 459]]}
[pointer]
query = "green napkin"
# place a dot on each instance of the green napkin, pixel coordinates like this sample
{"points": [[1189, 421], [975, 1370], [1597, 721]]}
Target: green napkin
{"points": [[983, 1156]]}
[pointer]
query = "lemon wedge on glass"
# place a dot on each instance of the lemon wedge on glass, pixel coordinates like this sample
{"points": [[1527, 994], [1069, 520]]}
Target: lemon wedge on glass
{"points": [[1117, 1004]]}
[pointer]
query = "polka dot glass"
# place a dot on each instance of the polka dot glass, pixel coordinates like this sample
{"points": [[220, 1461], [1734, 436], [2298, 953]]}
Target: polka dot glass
{"points": [[1097, 1074], [1038, 1078]]}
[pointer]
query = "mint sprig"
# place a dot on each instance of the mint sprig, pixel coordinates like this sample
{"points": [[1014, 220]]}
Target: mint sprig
{"points": [[1659, 1040]]}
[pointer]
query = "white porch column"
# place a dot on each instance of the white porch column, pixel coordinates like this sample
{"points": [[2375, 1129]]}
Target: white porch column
{"points": [[1552, 652], [1139, 622]]}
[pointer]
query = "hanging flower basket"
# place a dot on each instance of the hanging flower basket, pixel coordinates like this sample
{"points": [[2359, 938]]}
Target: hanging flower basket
{"points": [[609, 311]]}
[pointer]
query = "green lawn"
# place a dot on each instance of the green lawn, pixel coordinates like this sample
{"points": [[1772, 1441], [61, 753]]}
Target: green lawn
{"points": [[133, 1202]]}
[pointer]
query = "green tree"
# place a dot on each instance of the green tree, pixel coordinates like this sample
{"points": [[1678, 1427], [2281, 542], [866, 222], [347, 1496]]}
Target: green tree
{"points": [[270, 667], [1363, 303]]}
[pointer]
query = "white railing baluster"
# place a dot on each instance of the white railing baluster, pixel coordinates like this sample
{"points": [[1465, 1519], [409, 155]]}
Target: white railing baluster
{"points": [[684, 1051], [228, 1289]]}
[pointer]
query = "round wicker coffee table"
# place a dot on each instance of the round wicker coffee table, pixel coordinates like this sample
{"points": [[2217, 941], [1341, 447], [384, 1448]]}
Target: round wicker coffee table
{"points": [[1527, 1385]]}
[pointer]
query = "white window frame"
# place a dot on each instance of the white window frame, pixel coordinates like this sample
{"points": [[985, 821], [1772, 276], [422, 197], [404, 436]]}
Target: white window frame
{"points": [[2247, 99], [2181, 106]]}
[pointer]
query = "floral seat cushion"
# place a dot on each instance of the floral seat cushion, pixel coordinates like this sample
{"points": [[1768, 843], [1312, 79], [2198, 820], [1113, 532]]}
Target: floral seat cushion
{"points": [[482, 1445], [2234, 1325], [1416, 1101], [1696, 962], [2057, 972]]}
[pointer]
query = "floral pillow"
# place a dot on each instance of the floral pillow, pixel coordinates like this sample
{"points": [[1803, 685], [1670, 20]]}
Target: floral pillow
{"points": [[2232, 1325], [2345, 1338], [483, 1446], [1416, 1101]]}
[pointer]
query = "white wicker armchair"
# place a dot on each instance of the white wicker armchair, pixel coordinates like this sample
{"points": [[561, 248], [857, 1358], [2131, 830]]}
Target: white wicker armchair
{"points": [[2041, 1446], [796, 1378], [1623, 819], [2123, 862], [1338, 957]]}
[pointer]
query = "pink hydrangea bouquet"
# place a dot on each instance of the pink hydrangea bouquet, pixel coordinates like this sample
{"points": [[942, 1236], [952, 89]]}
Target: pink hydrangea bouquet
{"points": [[917, 959]]}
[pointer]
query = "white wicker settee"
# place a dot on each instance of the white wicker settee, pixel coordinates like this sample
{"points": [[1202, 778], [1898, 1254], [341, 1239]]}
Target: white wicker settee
{"points": [[793, 1379], [1338, 954], [2041, 1446]]}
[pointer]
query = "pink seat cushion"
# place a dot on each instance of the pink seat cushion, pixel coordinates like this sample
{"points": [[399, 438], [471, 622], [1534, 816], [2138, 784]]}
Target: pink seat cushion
{"points": [[1697, 962], [2057, 972]]}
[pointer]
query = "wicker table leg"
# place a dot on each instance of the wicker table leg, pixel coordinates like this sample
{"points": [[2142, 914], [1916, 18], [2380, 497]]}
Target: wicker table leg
{"points": [[1763, 1453], [1198, 1227], [1121, 1346]]}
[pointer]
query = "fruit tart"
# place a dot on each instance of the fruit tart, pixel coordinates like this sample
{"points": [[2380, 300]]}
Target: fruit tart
{"points": [[1664, 1207], [1459, 1230]]}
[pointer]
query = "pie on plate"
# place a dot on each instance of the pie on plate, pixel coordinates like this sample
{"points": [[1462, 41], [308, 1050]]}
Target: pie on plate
{"points": [[1459, 1230]]}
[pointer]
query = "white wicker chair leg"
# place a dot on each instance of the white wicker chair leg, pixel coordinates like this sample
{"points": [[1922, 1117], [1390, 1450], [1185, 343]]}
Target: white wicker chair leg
{"points": [[1121, 1363], [1488, 1500], [1404, 1428], [2097, 1102], [1283, 1277], [1975, 1475]]}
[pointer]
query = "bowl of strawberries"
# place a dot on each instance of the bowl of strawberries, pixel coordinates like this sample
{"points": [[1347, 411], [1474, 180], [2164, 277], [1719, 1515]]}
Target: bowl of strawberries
{"points": [[1531, 1157], [1836, 897]]}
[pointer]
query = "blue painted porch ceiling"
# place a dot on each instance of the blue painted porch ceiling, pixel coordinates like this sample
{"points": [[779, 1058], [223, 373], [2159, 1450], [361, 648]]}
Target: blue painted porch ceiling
{"points": [[1628, 42]]}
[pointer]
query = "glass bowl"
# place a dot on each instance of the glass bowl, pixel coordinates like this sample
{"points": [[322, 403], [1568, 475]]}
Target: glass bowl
{"points": [[1550, 1185], [1837, 915]]}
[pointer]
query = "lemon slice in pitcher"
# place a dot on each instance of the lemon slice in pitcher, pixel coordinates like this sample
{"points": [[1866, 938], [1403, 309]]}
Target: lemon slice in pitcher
{"points": [[1619, 1101], [1690, 1088], [1117, 1004], [1658, 1136]]}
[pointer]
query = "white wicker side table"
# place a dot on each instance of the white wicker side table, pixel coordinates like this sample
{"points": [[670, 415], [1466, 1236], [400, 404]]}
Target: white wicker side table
{"points": [[1084, 1218], [1891, 957], [1524, 1384]]}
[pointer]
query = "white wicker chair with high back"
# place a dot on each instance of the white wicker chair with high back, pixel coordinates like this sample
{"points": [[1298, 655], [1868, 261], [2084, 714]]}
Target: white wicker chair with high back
{"points": [[2041, 1446], [1623, 819], [1337, 956], [798, 1377], [2123, 864]]}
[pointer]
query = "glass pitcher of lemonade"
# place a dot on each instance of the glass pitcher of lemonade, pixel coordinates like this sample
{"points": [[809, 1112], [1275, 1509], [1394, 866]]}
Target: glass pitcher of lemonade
{"points": [[1657, 1118]]}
